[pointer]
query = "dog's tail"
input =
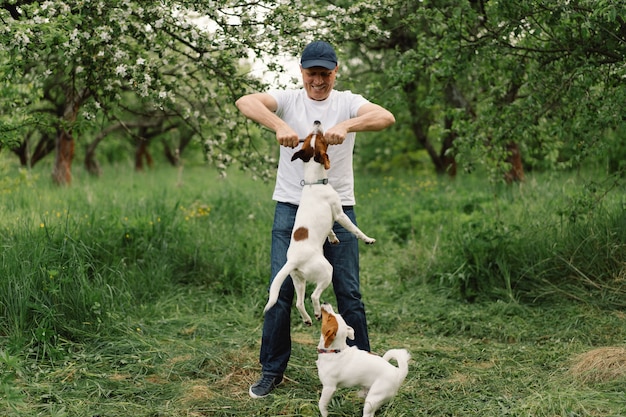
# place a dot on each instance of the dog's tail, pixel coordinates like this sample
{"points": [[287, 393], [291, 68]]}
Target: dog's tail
{"points": [[401, 356], [277, 282]]}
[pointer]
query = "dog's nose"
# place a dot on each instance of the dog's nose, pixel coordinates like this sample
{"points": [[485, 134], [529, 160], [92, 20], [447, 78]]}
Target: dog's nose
{"points": [[317, 123]]}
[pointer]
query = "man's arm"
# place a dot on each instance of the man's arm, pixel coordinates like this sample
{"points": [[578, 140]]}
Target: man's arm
{"points": [[260, 107], [370, 117]]}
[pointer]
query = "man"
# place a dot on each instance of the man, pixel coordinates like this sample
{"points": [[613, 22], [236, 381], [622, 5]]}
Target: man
{"points": [[291, 113]]}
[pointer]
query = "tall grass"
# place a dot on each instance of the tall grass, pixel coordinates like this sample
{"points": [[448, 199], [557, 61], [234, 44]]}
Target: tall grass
{"points": [[142, 293], [553, 235], [76, 259]]}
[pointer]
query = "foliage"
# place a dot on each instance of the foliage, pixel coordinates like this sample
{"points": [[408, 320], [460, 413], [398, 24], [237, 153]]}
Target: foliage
{"points": [[464, 78], [90, 65], [482, 74]]}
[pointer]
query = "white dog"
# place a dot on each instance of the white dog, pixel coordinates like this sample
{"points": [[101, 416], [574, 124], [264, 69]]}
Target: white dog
{"points": [[320, 207], [341, 366]]}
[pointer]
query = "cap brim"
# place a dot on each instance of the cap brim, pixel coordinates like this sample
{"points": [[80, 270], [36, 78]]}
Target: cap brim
{"points": [[319, 63]]}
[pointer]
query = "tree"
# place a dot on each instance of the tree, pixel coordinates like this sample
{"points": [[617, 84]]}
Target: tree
{"points": [[473, 82], [486, 81], [75, 64]]}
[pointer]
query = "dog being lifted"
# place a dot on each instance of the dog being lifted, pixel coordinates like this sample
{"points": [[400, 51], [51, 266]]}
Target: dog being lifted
{"points": [[320, 207], [339, 365]]}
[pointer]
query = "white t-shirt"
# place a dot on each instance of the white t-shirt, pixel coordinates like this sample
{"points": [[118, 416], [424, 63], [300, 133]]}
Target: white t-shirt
{"points": [[299, 112]]}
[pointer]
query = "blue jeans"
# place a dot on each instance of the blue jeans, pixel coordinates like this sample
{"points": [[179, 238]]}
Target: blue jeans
{"points": [[344, 257]]}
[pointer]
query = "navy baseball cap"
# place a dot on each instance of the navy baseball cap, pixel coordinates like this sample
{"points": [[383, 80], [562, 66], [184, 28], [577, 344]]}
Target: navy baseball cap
{"points": [[319, 54]]}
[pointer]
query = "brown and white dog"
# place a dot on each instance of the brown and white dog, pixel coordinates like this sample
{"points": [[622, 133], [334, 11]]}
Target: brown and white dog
{"points": [[320, 207], [339, 365]]}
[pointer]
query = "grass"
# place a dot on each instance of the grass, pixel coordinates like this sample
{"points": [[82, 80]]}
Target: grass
{"points": [[141, 294]]}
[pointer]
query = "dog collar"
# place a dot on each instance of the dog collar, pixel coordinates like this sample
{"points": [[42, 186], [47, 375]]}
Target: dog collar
{"points": [[328, 350], [322, 181]]}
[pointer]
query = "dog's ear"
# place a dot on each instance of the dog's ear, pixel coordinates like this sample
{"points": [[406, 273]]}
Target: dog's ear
{"points": [[305, 154], [322, 158], [329, 329], [350, 333]]}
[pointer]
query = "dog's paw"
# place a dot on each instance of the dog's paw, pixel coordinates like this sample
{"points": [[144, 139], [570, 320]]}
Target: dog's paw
{"points": [[369, 241], [332, 237], [308, 323]]}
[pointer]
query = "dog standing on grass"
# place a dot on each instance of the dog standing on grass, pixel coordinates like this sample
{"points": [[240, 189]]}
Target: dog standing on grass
{"points": [[341, 366], [319, 208]]}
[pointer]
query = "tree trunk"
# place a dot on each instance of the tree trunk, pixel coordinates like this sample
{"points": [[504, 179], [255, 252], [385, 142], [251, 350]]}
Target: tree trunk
{"points": [[516, 173], [142, 153], [173, 156], [418, 121], [22, 151], [62, 172], [448, 163], [514, 158], [45, 146], [91, 165]]}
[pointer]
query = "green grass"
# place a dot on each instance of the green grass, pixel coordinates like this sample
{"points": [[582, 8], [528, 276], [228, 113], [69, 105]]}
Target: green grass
{"points": [[141, 294]]}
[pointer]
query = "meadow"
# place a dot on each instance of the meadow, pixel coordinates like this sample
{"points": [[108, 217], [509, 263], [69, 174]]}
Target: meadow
{"points": [[142, 294]]}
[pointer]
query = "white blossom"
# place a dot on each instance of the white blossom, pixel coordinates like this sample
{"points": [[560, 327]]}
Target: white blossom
{"points": [[105, 36], [22, 38], [121, 70]]}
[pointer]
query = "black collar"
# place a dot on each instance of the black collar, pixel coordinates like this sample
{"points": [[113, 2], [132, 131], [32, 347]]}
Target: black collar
{"points": [[319, 350]]}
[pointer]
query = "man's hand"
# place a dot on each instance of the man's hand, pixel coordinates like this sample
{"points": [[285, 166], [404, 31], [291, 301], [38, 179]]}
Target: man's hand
{"points": [[286, 136], [335, 135]]}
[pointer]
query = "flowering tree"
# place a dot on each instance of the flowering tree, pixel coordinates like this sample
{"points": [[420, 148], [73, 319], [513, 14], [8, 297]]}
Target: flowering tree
{"points": [[475, 81], [78, 65], [482, 82]]}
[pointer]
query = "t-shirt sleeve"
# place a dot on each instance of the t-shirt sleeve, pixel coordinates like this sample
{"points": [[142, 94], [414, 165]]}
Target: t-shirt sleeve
{"points": [[356, 102], [282, 98]]}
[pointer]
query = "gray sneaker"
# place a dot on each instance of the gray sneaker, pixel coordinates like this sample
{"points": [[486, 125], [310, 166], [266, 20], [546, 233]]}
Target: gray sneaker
{"points": [[264, 385]]}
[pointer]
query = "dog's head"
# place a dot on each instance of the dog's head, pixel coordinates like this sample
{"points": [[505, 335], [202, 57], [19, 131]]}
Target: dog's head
{"points": [[334, 329], [314, 147]]}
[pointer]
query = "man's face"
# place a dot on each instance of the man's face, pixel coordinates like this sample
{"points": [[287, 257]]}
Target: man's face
{"points": [[318, 81]]}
